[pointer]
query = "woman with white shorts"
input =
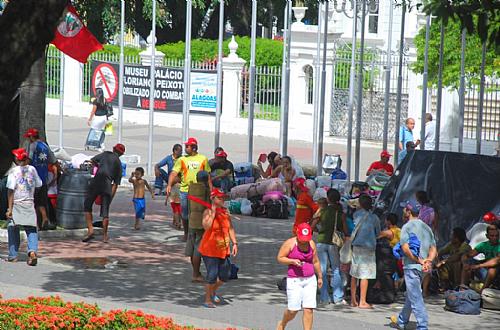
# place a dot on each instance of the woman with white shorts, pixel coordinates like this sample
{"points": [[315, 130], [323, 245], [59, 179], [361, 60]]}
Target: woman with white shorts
{"points": [[299, 254]]}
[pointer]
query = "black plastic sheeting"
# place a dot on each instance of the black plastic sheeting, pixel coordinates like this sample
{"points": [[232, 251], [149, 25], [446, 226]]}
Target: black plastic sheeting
{"points": [[461, 187]]}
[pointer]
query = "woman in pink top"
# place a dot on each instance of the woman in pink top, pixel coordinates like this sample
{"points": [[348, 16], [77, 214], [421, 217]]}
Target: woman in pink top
{"points": [[299, 254]]}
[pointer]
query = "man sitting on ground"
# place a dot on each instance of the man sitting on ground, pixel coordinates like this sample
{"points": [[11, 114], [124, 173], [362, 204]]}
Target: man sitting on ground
{"points": [[491, 250], [381, 166], [450, 266], [222, 170]]}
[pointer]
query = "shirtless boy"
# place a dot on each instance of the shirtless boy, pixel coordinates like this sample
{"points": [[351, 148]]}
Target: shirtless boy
{"points": [[139, 201]]}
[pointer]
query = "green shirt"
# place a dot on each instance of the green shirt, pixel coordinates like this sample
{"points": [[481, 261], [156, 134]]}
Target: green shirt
{"points": [[489, 251], [327, 221]]}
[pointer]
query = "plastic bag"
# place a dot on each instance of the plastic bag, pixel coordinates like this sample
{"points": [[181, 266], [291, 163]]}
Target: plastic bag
{"points": [[323, 181], [108, 129], [319, 193], [311, 185], [246, 207], [235, 206]]}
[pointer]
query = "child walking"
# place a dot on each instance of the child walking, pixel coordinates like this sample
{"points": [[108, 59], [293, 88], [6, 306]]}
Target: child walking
{"points": [[139, 201], [21, 182]]}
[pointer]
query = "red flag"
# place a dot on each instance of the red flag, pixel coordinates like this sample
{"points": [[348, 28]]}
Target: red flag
{"points": [[73, 38]]}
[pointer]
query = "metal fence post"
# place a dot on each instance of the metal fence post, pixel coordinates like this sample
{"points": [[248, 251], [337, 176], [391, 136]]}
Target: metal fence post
{"points": [[285, 84], [317, 85], [122, 66], [461, 95], [439, 89], [388, 69], [219, 75], [187, 72], [424, 82], [61, 102], [251, 97], [400, 84], [479, 122], [352, 78], [359, 105], [152, 92], [321, 119]]}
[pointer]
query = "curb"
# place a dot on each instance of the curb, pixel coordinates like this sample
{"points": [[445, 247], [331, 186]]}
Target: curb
{"points": [[51, 234]]}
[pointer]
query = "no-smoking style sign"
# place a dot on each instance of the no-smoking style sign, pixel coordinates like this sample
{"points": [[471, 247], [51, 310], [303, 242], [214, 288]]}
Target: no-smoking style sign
{"points": [[105, 77]]}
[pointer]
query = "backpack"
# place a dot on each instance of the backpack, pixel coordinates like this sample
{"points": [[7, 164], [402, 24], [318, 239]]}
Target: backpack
{"points": [[258, 208], [463, 302], [277, 208]]}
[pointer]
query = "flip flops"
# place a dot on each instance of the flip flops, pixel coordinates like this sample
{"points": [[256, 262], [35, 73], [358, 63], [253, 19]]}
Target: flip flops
{"points": [[216, 299], [88, 238], [208, 305]]}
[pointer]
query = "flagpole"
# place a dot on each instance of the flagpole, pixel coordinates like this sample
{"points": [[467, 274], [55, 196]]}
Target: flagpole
{"points": [[61, 101], [122, 64], [187, 73], [152, 91]]}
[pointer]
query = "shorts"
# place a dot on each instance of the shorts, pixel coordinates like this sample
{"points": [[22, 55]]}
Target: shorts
{"points": [[218, 268], [193, 242], [140, 207], [176, 208], [91, 197], [301, 292], [184, 205], [480, 273], [41, 196]]}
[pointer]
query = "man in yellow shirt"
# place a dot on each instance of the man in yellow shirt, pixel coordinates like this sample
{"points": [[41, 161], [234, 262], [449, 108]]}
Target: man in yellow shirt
{"points": [[186, 168]]}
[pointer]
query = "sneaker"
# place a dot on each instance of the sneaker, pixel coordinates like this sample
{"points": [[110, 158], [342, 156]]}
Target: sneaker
{"points": [[394, 323], [341, 303]]}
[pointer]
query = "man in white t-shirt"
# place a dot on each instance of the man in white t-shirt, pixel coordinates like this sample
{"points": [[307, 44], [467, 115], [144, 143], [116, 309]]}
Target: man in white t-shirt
{"points": [[22, 182], [430, 132]]}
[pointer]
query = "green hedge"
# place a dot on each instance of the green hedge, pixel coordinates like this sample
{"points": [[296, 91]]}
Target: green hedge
{"points": [[268, 52]]}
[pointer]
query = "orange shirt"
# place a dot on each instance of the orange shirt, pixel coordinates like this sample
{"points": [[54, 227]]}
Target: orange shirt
{"points": [[215, 240], [306, 208]]}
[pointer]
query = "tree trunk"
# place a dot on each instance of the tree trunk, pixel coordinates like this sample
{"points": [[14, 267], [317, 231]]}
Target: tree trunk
{"points": [[32, 100], [27, 27]]}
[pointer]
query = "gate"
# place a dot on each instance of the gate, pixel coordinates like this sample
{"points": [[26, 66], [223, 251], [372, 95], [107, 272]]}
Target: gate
{"points": [[372, 124]]}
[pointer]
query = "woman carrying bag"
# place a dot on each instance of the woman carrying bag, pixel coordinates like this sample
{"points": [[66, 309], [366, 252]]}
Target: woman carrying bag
{"points": [[332, 230], [364, 241]]}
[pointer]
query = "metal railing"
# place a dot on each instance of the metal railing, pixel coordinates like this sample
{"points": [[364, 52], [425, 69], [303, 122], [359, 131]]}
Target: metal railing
{"points": [[267, 92], [491, 112], [53, 73]]}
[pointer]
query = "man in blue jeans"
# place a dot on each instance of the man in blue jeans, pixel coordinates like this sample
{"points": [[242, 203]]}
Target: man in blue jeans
{"points": [[160, 174], [415, 266]]}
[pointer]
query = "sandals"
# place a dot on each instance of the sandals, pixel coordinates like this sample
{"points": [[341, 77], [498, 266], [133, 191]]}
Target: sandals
{"points": [[88, 238], [32, 259], [216, 299], [208, 305]]}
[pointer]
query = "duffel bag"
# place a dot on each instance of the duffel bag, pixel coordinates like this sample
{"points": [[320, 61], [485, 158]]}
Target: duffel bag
{"points": [[491, 299], [277, 208], [243, 170], [466, 302]]}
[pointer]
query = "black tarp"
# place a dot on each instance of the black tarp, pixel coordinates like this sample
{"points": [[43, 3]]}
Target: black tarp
{"points": [[461, 187]]}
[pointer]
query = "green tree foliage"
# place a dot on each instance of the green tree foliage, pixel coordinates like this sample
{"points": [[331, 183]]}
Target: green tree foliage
{"points": [[452, 51], [480, 17]]}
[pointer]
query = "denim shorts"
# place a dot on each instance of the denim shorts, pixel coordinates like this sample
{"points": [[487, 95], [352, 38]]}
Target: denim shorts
{"points": [[217, 268]]}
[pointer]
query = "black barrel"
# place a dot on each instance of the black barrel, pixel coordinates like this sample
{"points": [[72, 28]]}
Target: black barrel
{"points": [[73, 187]]}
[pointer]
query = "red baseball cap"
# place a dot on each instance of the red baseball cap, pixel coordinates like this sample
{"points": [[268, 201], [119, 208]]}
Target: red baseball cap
{"points": [[20, 154], [217, 193], [304, 232], [301, 184], [119, 147], [191, 142], [489, 217], [221, 154], [385, 153], [31, 132]]}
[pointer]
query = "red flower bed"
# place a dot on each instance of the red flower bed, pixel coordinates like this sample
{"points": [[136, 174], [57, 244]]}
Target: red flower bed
{"points": [[55, 314]]}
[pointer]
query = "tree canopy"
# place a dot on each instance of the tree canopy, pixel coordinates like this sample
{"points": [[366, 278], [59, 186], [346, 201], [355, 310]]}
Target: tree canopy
{"points": [[480, 17], [452, 52]]}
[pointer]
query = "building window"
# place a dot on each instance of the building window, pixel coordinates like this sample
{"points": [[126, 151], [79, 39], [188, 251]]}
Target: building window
{"points": [[309, 76], [373, 16]]}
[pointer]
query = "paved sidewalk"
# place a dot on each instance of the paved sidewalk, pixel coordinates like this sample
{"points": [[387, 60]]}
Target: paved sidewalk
{"points": [[146, 270]]}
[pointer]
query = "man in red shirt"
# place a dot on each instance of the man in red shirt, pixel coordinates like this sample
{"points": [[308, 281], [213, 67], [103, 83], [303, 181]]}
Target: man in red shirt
{"points": [[382, 165]]}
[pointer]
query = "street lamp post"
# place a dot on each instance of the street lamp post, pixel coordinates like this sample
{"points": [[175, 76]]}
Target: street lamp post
{"points": [[388, 69], [424, 81], [285, 84], [321, 119], [317, 84], [251, 97], [152, 91], [122, 65], [187, 72], [400, 83]]}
